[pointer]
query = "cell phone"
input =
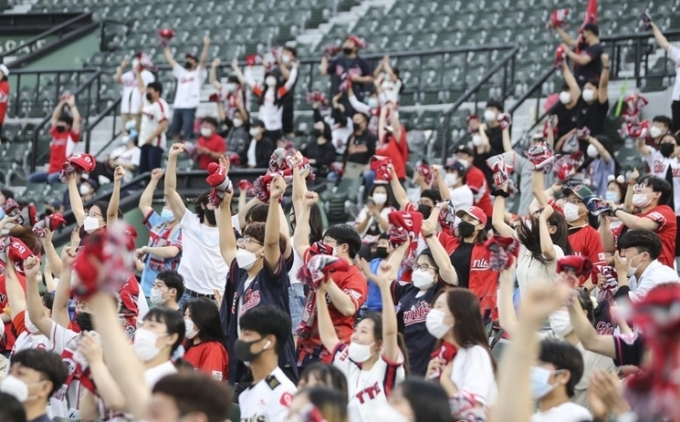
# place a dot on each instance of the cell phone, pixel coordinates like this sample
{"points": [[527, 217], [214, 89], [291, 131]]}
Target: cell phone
{"points": [[370, 201]]}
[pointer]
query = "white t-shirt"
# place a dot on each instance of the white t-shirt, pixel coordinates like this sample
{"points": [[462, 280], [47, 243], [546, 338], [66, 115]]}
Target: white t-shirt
{"points": [[473, 372], [202, 264], [461, 197], [658, 166], [656, 273], [152, 116], [127, 156], [530, 270], [268, 400], [566, 412], [131, 100], [66, 399], [188, 86], [153, 375], [591, 361], [368, 390], [384, 213], [674, 54], [295, 268], [391, 89]]}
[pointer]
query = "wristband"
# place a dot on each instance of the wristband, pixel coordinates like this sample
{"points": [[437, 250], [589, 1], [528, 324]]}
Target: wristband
{"points": [[429, 236]]}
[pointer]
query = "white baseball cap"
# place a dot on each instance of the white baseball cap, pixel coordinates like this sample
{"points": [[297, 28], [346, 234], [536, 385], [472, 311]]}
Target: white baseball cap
{"points": [[4, 70]]}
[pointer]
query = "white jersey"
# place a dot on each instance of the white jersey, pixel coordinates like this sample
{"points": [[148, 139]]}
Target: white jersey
{"points": [[368, 390], [658, 166], [268, 400], [131, 100], [65, 401], [153, 114]]}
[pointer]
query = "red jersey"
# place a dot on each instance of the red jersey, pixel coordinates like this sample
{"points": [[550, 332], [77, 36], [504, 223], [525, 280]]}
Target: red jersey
{"points": [[586, 241], [480, 190], [352, 283], [4, 100], [9, 338], [210, 358], [61, 148], [403, 146], [392, 150], [215, 143], [667, 228], [483, 281]]}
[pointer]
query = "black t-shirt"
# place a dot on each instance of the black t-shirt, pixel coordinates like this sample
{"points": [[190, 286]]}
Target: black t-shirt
{"points": [[604, 324], [460, 259], [341, 65], [42, 418], [593, 69], [629, 349], [592, 115], [287, 99], [495, 135], [361, 155], [566, 118]]}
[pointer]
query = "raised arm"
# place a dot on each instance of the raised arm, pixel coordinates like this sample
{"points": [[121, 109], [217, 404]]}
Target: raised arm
{"points": [[355, 103], [114, 202], [35, 309], [570, 80], [16, 296], [398, 190], [606, 234], [498, 217], [146, 200], [140, 83], [506, 308], [382, 123], [446, 271], [601, 150], [272, 252], [60, 313], [119, 71], [586, 333], [57, 111], [302, 203], [212, 77], [547, 246], [292, 77], [204, 54], [107, 388], [329, 338], [71, 101], [659, 37], [323, 66], [76, 201], [566, 38], [170, 187], [168, 57], [390, 346], [603, 89], [226, 229]]}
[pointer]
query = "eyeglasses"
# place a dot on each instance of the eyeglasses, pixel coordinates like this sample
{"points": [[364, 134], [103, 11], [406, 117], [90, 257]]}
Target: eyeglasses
{"points": [[94, 214], [423, 267], [574, 201], [245, 240]]}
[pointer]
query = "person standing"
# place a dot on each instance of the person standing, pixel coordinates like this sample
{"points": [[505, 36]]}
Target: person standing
{"points": [[155, 114], [4, 94], [673, 54], [349, 66], [588, 56], [190, 76], [131, 100]]}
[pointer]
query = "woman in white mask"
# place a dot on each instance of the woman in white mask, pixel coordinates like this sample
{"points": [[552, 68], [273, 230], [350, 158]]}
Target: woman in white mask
{"points": [[601, 151], [374, 360], [205, 346], [156, 339], [594, 103], [95, 217], [464, 362], [456, 188], [372, 219], [565, 108]]}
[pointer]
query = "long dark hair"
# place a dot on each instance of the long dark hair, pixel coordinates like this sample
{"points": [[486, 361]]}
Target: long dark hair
{"points": [[388, 189], [329, 375], [206, 318], [331, 403], [468, 329], [427, 399], [531, 239], [265, 87], [378, 336]]}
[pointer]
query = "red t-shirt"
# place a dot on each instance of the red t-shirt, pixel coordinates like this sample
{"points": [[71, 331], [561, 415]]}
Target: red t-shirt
{"points": [[403, 146], [210, 358], [4, 100], [392, 150], [480, 190], [667, 229], [9, 338], [215, 144], [61, 147], [586, 241], [353, 283]]}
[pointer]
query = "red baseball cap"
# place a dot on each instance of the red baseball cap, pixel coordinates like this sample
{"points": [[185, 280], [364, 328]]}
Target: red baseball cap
{"points": [[474, 212]]}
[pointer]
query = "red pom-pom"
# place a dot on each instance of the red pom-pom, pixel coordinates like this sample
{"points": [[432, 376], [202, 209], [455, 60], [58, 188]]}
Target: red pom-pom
{"points": [[577, 265], [51, 222], [381, 166], [166, 33], [502, 252]]}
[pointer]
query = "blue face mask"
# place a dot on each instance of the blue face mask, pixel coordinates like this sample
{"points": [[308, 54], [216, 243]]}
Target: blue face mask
{"points": [[167, 216], [612, 196], [540, 382], [2, 213]]}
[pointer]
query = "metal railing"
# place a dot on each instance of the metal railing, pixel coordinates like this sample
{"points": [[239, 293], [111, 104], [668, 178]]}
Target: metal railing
{"points": [[113, 110], [92, 82], [506, 64], [59, 31]]}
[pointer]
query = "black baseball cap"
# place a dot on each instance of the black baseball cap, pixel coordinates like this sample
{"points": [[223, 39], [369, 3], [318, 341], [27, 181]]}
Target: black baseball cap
{"points": [[256, 123], [465, 149]]}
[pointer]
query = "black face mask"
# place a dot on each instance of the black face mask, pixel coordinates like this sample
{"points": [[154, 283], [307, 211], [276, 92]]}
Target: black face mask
{"points": [[316, 133], [243, 352], [466, 229], [425, 210], [666, 149], [358, 129], [381, 252], [210, 216], [149, 98], [84, 321], [348, 51], [61, 129], [188, 65]]}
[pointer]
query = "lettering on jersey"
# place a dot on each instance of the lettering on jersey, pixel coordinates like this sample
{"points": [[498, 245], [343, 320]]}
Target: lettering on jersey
{"points": [[604, 328], [71, 365], [353, 294], [255, 418], [601, 256], [660, 168], [272, 382], [369, 393], [657, 217], [286, 399], [250, 300], [479, 264], [186, 79], [216, 375], [3, 298], [416, 314], [61, 393]]}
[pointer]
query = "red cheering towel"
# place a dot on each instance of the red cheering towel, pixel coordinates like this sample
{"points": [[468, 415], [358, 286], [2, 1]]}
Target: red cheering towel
{"points": [[409, 221], [502, 252], [447, 217], [446, 352], [330, 50], [558, 18], [633, 105], [577, 265], [560, 54], [13, 250], [253, 59], [605, 292], [424, 170], [78, 370], [504, 120], [359, 42], [219, 182], [243, 184], [77, 163], [51, 222], [317, 249], [11, 207], [314, 272], [104, 261], [317, 97], [468, 121], [635, 130], [381, 166]]}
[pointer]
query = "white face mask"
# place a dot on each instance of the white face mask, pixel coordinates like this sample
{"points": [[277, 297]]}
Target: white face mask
{"points": [[135, 63], [359, 352], [560, 323], [641, 200], [285, 59], [254, 131], [231, 87], [156, 297], [465, 163], [655, 132], [451, 179], [565, 97], [588, 95], [90, 224], [245, 259], [435, 323], [373, 103], [476, 140], [380, 198], [84, 190], [422, 279], [15, 387], [125, 140], [592, 151], [632, 269], [571, 212], [237, 122], [145, 344], [489, 115], [206, 132], [190, 329], [270, 81]]}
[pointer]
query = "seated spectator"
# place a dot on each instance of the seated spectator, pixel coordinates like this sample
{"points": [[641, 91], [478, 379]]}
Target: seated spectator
{"points": [[320, 151], [206, 346], [210, 146], [127, 156], [588, 58], [167, 290], [65, 134], [261, 147], [131, 99], [372, 219]]}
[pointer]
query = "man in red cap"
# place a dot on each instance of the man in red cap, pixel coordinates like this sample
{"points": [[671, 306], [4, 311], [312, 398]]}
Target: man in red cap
{"points": [[348, 66]]}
